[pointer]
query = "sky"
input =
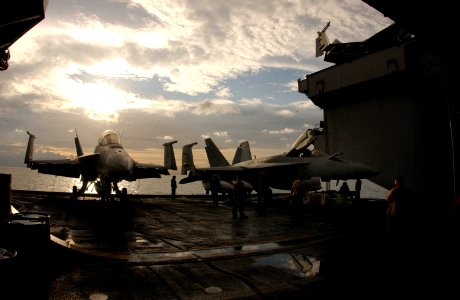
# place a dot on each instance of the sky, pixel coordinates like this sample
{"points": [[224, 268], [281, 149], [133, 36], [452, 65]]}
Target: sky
{"points": [[159, 71]]}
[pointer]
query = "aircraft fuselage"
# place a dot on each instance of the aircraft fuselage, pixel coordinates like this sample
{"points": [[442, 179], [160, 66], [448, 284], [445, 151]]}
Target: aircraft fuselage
{"points": [[282, 177], [114, 162]]}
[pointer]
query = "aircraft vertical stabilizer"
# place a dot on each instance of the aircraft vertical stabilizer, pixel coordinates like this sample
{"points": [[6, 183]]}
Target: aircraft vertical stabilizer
{"points": [[169, 157], [187, 158], [30, 149], [237, 157], [243, 153], [78, 146], [215, 157]]}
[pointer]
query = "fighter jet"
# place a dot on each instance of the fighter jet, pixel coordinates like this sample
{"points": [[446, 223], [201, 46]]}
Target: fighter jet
{"points": [[105, 168], [281, 170]]}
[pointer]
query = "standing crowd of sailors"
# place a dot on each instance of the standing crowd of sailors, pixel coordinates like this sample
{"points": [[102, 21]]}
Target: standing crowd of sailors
{"points": [[238, 195]]}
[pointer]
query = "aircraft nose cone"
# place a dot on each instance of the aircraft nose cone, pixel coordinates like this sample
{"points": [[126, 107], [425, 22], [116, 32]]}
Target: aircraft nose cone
{"points": [[121, 167], [365, 171]]}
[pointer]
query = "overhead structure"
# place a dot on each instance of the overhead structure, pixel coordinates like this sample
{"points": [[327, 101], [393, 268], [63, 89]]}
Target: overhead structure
{"points": [[385, 95], [433, 21], [16, 18]]}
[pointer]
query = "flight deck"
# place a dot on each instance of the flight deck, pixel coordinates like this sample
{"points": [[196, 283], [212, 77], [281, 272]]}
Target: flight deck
{"points": [[153, 247]]}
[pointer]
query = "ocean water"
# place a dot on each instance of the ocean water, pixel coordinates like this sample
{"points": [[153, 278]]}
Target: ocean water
{"points": [[23, 178]]}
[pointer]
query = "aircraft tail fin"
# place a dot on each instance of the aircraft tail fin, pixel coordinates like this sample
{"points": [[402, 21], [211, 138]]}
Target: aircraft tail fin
{"points": [[78, 145], [243, 153], [30, 149], [215, 157], [169, 157], [187, 158]]}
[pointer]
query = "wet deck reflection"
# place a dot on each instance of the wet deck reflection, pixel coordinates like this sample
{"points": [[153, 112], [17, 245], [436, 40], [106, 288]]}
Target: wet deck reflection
{"points": [[159, 230], [156, 248]]}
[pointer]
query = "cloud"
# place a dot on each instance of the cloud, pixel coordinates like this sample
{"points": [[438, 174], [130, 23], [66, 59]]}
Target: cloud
{"points": [[215, 107], [171, 69], [223, 92], [281, 131], [308, 126], [303, 105], [284, 113], [254, 102], [221, 133], [166, 137]]}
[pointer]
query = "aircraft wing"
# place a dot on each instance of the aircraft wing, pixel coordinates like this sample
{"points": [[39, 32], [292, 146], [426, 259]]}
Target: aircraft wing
{"points": [[250, 172], [142, 170], [191, 178], [59, 167], [254, 166], [82, 165], [200, 173]]}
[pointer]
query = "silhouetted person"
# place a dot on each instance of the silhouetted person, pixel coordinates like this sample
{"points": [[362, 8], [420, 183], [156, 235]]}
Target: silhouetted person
{"points": [[356, 201], [214, 186], [298, 191], [74, 194], [396, 202], [358, 189], [263, 190], [344, 190], [173, 187], [239, 196]]}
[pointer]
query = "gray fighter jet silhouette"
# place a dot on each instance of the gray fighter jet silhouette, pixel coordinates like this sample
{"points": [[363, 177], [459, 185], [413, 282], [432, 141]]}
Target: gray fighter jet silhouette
{"points": [[281, 170], [106, 167]]}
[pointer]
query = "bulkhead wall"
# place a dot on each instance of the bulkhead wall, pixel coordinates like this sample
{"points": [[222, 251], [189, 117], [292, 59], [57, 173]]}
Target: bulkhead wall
{"points": [[400, 123]]}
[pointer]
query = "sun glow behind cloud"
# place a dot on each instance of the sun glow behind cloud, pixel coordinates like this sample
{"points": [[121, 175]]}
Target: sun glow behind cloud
{"points": [[100, 100], [184, 69]]}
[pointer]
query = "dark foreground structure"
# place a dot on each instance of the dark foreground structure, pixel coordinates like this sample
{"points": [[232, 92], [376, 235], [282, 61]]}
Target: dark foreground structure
{"points": [[392, 102], [16, 19], [156, 248]]}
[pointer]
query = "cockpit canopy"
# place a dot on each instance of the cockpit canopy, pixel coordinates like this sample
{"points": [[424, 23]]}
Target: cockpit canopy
{"points": [[109, 137], [303, 142]]}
